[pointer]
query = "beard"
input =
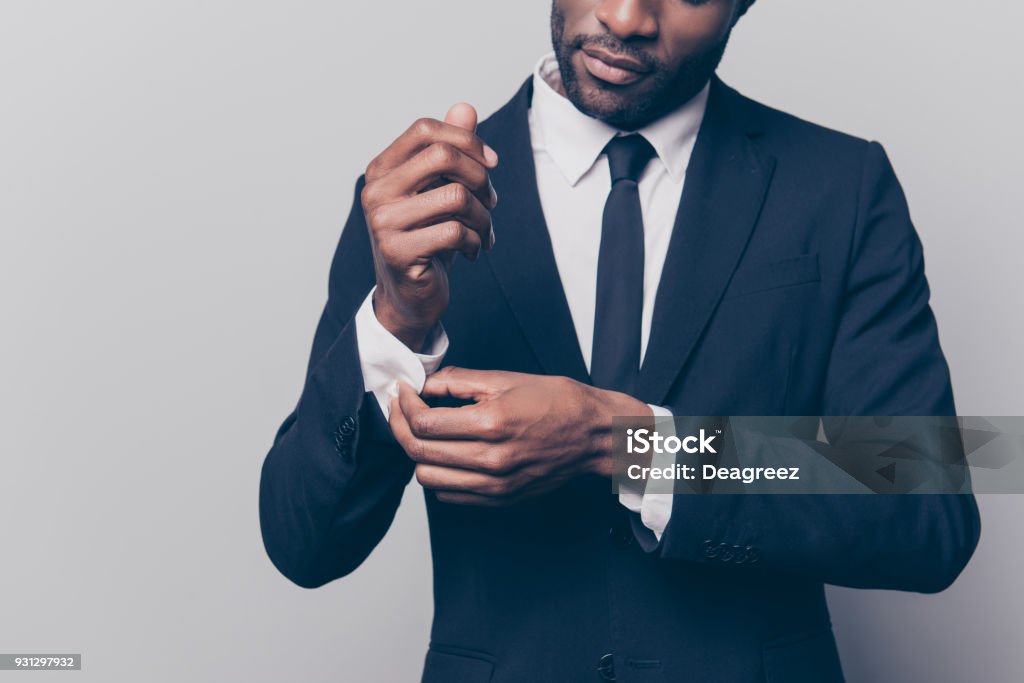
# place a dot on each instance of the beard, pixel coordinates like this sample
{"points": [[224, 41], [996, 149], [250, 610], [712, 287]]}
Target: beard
{"points": [[663, 90]]}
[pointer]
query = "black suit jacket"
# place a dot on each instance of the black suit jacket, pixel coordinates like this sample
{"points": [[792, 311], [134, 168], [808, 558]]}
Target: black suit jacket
{"points": [[794, 285]]}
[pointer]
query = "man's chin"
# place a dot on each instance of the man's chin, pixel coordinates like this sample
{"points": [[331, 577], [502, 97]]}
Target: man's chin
{"points": [[613, 106], [623, 106]]}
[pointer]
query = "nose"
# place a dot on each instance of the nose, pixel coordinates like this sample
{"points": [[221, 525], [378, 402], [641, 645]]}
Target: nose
{"points": [[628, 18]]}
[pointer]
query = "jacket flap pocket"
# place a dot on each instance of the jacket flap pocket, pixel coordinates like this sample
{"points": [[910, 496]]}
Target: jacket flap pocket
{"points": [[759, 276], [447, 664]]}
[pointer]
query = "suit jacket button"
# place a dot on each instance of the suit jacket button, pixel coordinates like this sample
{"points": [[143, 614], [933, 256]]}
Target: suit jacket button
{"points": [[606, 667]]}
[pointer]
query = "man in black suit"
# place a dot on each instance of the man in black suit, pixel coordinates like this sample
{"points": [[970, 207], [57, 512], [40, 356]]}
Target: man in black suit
{"points": [[664, 246]]}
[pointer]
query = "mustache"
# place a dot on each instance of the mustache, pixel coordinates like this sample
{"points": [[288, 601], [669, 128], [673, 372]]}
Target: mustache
{"points": [[616, 46]]}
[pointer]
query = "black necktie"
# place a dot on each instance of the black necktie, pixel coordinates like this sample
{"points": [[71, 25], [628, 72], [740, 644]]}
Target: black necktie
{"points": [[615, 361]]}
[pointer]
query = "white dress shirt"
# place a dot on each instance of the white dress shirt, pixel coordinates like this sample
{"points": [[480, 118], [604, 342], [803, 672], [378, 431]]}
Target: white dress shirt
{"points": [[573, 181]]}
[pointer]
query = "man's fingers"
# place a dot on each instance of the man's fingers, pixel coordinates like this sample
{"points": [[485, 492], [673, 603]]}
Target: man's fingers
{"points": [[409, 402], [472, 499], [401, 408], [477, 424], [462, 115], [448, 437], [460, 487], [424, 133], [476, 385], [431, 167], [467, 455], [450, 202], [448, 218], [442, 478], [434, 435], [450, 236]]}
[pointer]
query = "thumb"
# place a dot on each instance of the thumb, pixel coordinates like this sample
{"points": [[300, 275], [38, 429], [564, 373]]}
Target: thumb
{"points": [[463, 116]]}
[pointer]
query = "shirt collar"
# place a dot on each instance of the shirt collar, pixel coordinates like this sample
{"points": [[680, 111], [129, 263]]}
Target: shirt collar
{"points": [[575, 141]]}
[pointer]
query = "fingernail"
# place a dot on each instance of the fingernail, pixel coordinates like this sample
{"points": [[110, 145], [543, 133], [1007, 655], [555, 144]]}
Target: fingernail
{"points": [[494, 195], [490, 155], [492, 235]]}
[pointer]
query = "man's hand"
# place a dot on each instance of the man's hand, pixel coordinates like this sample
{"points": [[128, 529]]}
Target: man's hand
{"points": [[427, 196], [525, 435]]}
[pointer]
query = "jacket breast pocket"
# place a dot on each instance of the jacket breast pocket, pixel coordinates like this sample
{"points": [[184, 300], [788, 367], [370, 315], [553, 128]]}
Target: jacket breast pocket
{"points": [[762, 276], [447, 664], [809, 657]]}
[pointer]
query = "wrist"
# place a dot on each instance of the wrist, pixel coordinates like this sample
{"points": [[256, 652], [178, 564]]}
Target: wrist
{"points": [[412, 335], [605, 407]]}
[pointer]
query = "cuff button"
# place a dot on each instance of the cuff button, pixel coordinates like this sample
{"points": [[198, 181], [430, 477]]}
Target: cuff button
{"points": [[347, 426]]}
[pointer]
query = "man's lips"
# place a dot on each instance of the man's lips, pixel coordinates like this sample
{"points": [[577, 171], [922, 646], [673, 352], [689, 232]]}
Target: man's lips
{"points": [[612, 68]]}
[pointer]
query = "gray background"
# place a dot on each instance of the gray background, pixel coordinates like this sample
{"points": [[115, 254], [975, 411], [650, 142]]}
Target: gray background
{"points": [[173, 179]]}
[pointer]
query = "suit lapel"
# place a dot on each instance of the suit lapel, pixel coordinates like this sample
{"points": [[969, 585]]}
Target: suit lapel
{"points": [[726, 182], [523, 260]]}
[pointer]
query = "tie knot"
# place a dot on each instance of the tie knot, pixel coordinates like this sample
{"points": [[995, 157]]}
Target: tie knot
{"points": [[628, 156]]}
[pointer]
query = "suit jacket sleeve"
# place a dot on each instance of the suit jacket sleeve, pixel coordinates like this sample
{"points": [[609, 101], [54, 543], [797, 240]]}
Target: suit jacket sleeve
{"points": [[886, 360], [334, 477]]}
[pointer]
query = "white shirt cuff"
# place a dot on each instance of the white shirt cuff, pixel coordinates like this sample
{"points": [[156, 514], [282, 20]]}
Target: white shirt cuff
{"points": [[384, 360], [655, 509]]}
